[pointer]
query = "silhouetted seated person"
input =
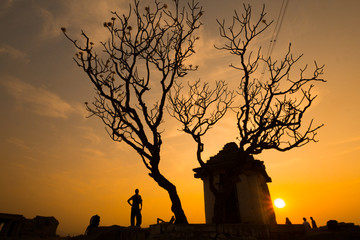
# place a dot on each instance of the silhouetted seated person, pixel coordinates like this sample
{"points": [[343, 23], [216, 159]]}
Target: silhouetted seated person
{"points": [[287, 221], [313, 223], [94, 223], [136, 205], [306, 224], [160, 221]]}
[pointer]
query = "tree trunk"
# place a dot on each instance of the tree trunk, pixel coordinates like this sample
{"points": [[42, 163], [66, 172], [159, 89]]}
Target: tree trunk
{"points": [[176, 207]]}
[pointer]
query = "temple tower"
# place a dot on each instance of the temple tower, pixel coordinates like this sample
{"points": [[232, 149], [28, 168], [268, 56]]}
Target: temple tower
{"points": [[235, 189]]}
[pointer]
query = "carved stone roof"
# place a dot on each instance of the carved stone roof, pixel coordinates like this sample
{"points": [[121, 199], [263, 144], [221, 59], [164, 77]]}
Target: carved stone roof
{"points": [[231, 158]]}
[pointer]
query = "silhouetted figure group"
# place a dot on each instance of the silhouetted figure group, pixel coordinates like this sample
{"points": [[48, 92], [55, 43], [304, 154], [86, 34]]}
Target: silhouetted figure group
{"points": [[136, 205], [135, 202], [305, 223]]}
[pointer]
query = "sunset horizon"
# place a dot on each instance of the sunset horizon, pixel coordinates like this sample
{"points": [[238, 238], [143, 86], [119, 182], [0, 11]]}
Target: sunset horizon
{"points": [[58, 161]]}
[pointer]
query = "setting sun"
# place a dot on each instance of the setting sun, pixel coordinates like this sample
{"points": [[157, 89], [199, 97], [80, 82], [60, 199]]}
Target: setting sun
{"points": [[279, 203], [56, 161]]}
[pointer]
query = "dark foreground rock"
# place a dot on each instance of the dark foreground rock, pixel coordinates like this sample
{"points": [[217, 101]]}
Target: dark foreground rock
{"points": [[221, 232], [15, 226]]}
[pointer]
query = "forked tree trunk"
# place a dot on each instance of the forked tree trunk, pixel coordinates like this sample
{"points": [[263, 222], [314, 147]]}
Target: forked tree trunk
{"points": [[176, 207]]}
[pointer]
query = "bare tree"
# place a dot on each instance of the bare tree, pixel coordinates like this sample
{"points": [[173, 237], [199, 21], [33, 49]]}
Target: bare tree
{"points": [[144, 55], [270, 113]]}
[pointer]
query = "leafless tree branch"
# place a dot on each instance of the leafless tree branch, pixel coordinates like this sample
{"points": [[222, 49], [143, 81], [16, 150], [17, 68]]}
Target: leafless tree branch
{"points": [[200, 109], [147, 48], [271, 113]]}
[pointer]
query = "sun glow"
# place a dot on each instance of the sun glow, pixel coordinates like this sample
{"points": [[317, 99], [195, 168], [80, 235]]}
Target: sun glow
{"points": [[279, 203]]}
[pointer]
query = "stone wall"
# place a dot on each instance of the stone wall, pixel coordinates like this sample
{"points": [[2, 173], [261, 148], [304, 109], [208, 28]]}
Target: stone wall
{"points": [[208, 232], [180, 232], [17, 226]]}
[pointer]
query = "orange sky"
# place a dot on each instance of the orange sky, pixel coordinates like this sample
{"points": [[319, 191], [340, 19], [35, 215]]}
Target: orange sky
{"points": [[55, 162]]}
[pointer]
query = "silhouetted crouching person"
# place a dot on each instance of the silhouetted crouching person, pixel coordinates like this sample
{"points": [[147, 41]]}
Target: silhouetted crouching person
{"points": [[159, 220], [313, 223], [94, 223], [136, 206], [287, 221]]}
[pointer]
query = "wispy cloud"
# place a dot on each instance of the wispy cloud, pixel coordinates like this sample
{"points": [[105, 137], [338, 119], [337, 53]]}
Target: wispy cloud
{"points": [[94, 153], [14, 53], [18, 142], [76, 15], [347, 141], [89, 135], [38, 99], [349, 150], [5, 4]]}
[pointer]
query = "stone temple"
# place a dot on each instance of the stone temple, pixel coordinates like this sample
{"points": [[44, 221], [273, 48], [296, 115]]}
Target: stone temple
{"points": [[235, 189]]}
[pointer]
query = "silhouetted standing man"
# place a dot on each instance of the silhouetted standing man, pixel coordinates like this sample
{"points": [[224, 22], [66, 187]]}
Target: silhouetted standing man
{"points": [[136, 206]]}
